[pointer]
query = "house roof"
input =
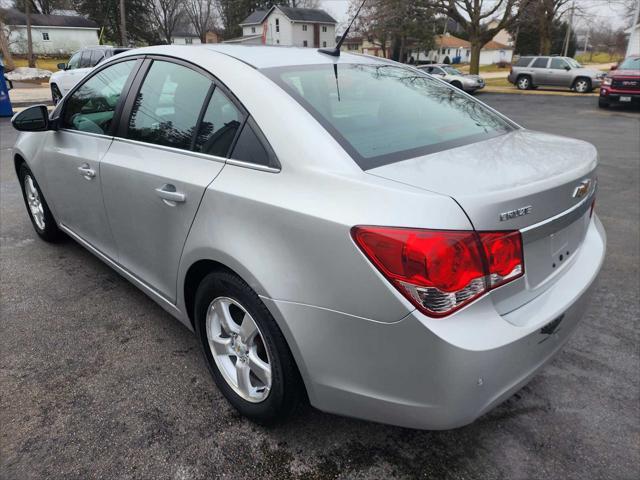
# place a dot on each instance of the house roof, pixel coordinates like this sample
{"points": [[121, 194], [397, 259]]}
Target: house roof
{"points": [[314, 15], [449, 41], [493, 45], [307, 14], [256, 17], [14, 17]]}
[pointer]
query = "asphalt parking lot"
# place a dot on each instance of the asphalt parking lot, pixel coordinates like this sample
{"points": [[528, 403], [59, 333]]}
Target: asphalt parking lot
{"points": [[96, 381]]}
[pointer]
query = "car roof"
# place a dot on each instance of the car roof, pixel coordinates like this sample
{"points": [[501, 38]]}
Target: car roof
{"points": [[258, 56]]}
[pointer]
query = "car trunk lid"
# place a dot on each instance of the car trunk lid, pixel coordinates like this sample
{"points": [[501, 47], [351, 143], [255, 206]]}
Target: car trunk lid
{"points": [[537, 183]]}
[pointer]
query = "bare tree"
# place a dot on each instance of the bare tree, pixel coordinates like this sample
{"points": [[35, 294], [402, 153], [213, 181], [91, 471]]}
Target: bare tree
{"points": [[201, 14], [4, 46], [304, 3], [546, 12], [27, 11], [473, 15], [165, 16]]}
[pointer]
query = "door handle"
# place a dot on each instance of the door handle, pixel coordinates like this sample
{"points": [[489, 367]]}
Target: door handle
{"points": [[170, 195], [86, 171]]}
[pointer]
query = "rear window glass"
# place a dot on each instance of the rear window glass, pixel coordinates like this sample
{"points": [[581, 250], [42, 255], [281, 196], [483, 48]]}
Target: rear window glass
{"points": [[540, 62], [523, 62], [383, 113]]}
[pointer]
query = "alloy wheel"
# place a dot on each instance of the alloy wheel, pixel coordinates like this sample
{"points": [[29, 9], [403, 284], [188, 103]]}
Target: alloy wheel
{"points": [[33, 200], [238, 349], [582, 86], [523, 83]]}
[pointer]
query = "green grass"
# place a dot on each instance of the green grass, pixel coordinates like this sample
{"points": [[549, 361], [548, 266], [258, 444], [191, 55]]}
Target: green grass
{"points": [[44, 63], [464, 67], [599, 57], [498, 82]]}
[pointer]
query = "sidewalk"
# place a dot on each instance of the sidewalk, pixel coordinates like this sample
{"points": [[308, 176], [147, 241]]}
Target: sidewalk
{"points": [[24, 94]]}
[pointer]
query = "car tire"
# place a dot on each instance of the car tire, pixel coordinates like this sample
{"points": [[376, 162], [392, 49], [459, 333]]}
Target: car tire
{"points": [[456, 84], [56, 95], [603, 103], [523, 82], [39, 214], [222, 299], [582, 85]]}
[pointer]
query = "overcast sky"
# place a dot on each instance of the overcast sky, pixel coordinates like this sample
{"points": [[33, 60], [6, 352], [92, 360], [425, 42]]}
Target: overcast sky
{"points": [[595, 10]]}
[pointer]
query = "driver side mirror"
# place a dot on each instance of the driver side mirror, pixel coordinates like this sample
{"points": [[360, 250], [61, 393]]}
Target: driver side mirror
{"points": [[32, 119], [62, 66], [567, 68], [614, 67]]}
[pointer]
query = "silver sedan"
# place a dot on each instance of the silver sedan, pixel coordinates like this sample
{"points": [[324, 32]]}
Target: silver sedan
{"points": [[347, 230], [467, 82]]}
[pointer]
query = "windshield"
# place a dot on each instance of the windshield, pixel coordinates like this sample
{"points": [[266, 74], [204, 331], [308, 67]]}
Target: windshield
{"points": [[452, 71], [573, 63], [383, 113], [630, 64]]}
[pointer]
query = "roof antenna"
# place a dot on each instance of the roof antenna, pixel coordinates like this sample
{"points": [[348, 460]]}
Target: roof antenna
{"points": [[335, 52]]}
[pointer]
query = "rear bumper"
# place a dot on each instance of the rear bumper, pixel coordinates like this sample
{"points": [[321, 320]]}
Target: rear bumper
{"points": [[435, 374]]}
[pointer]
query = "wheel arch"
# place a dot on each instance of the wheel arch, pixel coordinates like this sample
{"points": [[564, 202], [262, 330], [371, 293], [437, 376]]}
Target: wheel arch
{"points": [[18, 160], [582, 77]]}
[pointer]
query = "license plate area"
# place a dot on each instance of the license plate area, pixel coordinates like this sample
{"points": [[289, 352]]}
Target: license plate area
{"points": [[625, 99]]}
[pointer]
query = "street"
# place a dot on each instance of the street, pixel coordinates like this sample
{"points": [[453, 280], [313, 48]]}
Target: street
{"points": [[97, 381]]}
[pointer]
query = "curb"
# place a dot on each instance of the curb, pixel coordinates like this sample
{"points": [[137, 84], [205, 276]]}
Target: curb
{"points": [[515, 91]]}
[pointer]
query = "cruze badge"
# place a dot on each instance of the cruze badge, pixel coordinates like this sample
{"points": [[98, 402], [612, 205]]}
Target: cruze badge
{"points": [[518, 212], [582, 189]]}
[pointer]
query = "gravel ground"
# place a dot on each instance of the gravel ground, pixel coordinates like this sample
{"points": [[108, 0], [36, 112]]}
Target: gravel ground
{"points": [[96, 381]]}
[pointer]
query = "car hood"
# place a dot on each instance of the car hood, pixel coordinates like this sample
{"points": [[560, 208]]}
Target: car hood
{"points": [[624, 73], [591, 72], [515, 170]]}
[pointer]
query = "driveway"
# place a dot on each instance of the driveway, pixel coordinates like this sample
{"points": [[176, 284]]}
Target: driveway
{"points": [[96, 381]]}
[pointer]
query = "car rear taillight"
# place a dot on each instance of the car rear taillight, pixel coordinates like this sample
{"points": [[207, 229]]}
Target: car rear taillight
{"points": [[440, 271]]}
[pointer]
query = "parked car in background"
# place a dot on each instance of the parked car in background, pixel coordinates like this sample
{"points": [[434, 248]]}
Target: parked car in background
{"points": [[381, 243], [78, 66], [622, 84], [563, 72], [468, 83]]}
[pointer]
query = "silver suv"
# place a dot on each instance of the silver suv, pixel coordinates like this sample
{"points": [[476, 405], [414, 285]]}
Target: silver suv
{"points": [[532, 72]]}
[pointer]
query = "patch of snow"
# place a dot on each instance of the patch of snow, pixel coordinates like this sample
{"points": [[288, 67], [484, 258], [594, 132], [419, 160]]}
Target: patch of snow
{"points": [[26, 73]]}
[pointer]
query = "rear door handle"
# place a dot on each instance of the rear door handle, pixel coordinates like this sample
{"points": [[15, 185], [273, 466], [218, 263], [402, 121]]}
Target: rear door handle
{"points": [[170, 195], [86, 171]]}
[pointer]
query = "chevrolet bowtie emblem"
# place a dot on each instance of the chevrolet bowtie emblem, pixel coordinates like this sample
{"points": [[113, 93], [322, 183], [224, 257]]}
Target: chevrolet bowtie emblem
{"points": [[582, 189]]}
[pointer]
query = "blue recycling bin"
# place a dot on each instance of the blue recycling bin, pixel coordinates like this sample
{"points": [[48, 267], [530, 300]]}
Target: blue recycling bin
{"points": [[5, 103]]}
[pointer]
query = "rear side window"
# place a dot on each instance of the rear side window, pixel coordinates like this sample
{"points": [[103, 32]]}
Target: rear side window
{"points": [[383, 113], [540, 62], [523, 61], [168, 105], [219, 125], [252, 147]]}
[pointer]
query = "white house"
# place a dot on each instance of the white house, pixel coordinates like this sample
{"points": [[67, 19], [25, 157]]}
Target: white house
{"points": [[450, 48], [50, 34], [185, 37], [633, 47], [280, 25]]}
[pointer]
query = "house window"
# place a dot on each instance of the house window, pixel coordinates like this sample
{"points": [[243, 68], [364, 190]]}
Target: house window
{"points": [[45, 36], [253, 29], [305, 43], [324, 28], [324, 44], [277, 24], [304, 29], [188, 40]]}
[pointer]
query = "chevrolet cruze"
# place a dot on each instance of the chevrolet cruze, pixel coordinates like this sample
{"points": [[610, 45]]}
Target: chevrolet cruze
{"points": [[344, 229]]}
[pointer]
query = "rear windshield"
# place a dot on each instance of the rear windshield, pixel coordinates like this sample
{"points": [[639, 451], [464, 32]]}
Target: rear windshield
{"points": [[382, 114]]}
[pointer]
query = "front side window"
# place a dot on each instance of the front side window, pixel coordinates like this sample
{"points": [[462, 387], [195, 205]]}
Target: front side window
{"points": [[540, 62], [219, 125], [91, 107], [74, 61], [452, 71], [85, 60], [383, 113], [558, 64], [167, 106]]}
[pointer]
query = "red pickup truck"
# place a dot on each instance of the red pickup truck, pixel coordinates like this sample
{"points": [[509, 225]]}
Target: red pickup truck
{"points": [[622, 84]]}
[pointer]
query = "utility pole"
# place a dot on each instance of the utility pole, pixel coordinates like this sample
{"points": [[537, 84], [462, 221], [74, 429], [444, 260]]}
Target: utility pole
{"points": [[123, 25], [27, 12], [568, 37]]}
